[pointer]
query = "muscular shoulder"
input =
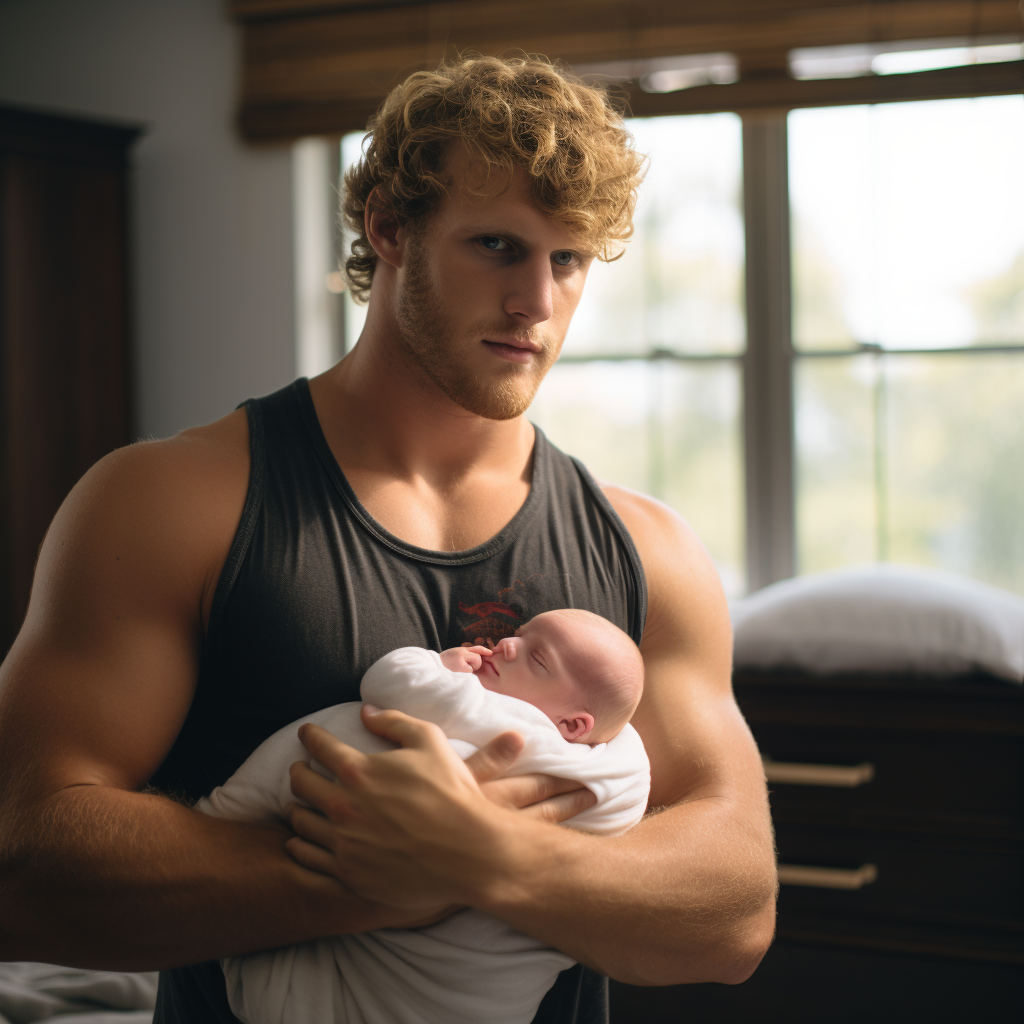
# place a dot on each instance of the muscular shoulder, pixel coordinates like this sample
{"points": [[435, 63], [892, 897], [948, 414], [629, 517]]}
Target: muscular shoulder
{"points": [[685, 597], [166, 509], [196, 457]]}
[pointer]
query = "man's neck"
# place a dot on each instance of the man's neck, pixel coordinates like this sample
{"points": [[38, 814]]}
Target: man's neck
{"points": [[381, 414], [430, 472]]}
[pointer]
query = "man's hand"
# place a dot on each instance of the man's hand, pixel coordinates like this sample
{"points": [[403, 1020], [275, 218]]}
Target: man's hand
{"points": [[408, 828], [416, 827], [544, 797]]}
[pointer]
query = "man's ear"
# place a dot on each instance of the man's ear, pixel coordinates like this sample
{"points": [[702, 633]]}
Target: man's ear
{"points": [[577, 728], [382, 227]]}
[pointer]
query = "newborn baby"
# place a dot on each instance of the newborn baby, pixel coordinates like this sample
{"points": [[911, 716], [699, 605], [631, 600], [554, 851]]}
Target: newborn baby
{"points": [[568, 681]]}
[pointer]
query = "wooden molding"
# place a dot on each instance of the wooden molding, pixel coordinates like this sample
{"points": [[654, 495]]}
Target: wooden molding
{"points": [[787, 93], [319, 65], [273, 122], [251, 10]]}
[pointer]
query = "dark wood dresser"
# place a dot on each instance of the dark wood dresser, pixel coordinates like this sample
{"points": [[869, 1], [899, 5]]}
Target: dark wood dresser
{"points": [[65, 366], [899, 812]]}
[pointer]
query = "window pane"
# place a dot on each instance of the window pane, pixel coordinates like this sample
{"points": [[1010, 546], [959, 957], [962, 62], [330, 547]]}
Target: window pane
{"points": [[908, 223], [913, 459], [671, 429], [835, 462], [955, 464], [679, 285]]}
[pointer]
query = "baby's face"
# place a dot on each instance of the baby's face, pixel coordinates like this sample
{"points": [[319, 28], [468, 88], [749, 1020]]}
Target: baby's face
{"points": [[544, 666]]}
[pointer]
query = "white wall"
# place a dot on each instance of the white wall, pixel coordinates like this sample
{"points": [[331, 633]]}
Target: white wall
{"points": [[212, 218]]}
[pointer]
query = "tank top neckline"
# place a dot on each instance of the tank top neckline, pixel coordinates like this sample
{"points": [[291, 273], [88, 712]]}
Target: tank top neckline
{"points": [[505, 536]]}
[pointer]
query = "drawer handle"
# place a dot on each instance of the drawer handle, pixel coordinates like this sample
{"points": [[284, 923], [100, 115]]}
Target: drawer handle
{"points": [[839, 775], [827, 878]]}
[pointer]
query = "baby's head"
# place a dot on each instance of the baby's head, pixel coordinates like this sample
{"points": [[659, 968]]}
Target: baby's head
{"points": [[583, 672]]}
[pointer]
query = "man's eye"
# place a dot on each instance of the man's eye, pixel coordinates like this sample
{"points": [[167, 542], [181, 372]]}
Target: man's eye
{"points": [[564, 258], [494, 243]]}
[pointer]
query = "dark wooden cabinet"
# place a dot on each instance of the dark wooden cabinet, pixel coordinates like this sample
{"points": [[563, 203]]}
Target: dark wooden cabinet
{"points": [[65, 370], [910, 805]]}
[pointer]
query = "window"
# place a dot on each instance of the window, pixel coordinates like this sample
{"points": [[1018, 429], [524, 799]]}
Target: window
{"points": [[908, 326], [900, 347]]}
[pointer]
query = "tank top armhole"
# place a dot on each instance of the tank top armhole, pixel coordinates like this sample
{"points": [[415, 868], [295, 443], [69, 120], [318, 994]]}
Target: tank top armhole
{"points": [[246, 525], [639, 577]]}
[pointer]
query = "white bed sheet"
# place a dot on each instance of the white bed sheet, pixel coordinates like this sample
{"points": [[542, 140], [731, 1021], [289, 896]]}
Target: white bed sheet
{"points": [[33, 993]]}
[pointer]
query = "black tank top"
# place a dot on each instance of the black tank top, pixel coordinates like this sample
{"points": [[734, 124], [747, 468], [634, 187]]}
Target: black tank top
{"points": [[314, 591]]}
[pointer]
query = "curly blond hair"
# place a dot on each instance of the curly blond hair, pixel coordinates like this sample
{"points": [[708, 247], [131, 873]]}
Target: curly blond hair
{"points": [[509, 112]]}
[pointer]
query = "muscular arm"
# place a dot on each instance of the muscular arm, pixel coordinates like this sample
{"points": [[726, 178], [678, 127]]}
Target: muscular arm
{"points": [[94, 872], [686, 896]]}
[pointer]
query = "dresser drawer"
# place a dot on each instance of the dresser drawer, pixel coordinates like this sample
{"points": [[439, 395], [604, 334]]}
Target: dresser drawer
{"points": [[948, 782], [952, 881]]}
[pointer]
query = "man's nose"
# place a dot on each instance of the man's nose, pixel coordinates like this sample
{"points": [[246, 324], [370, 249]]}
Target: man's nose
{"points": [[530, 299]]}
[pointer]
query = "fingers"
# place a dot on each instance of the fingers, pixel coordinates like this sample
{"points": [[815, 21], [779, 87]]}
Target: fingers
{"points": [[478, 649], [312, 827], [312, 788], [400, 728], [493, 759], [463, 659], [310, 856], [340, 758], [524, 790], [562, 807]]}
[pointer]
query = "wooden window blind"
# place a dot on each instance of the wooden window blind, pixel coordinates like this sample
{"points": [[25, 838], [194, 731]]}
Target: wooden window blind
{"points": [[323, 66]]}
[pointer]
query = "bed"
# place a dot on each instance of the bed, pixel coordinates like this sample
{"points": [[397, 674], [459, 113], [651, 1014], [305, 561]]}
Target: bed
{"points": [[40, 993]]}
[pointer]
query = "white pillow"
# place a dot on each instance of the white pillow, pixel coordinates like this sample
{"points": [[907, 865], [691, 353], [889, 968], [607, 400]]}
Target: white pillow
{"points": [[882, 618]]}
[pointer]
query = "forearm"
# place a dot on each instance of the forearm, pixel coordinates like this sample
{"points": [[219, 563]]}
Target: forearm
{"points": [[688, 895], [102, 878]]}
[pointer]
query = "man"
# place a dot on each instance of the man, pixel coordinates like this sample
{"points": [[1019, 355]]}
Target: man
{"points": [[193, 595]]}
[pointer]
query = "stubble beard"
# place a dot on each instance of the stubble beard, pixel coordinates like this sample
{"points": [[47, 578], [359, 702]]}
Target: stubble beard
{"points": [[428, 337]]}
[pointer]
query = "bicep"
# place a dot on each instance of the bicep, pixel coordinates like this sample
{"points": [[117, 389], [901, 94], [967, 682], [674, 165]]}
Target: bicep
{"points": [[80, 714], [101, 675], [696, 739]]}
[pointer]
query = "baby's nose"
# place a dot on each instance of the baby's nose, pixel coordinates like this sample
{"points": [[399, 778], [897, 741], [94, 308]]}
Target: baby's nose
{"points": [[506, 648]]}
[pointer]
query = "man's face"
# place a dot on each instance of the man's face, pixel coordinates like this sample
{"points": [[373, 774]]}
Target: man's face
{"points": [[485, 294]]}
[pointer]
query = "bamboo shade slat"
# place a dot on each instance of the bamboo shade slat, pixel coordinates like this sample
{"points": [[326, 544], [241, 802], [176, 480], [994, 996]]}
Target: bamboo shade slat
{"points": [[323, 66]]}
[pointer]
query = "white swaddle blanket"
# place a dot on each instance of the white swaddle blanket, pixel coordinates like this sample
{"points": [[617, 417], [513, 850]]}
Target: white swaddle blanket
{"points": [[471, 967]]}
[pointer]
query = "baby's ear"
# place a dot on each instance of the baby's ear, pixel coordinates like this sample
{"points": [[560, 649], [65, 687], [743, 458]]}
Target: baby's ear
{"points": [[577, 728]]}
